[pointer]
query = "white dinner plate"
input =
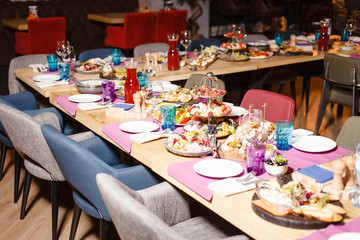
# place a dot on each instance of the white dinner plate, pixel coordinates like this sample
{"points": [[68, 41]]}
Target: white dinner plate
{"points": [[236, 111], [314, 144], [46, 77], [346, 235], [138, 126], [218, 168], [83, 98]]}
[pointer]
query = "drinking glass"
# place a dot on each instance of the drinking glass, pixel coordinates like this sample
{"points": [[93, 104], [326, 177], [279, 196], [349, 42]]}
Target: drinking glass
{"points": [[168, 114], [115, 55], [69, 56], [351, 25], [60, 47], [64, 71], [185, 40], [278, 39], [53, 62], [284, 131], [154, 94]]}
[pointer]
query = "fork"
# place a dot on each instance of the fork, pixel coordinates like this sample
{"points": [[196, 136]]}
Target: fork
{"points": [[246, 177]]}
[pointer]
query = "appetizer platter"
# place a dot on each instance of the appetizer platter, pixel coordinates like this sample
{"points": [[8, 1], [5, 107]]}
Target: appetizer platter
{"points": [[180, 95], [202, 61], [214, 109], [234, 45], [108, 72], [206, 92], [254, 54], [296, 205], [89, 67], [233, 57]]}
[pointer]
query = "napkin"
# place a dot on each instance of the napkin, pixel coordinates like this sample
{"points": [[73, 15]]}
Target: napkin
{"points": [[38, 67], [149, 136], [357, 56], [91, 106], [320, 174], [230, 186], [51, 83], [167, 86], [125, 106]]}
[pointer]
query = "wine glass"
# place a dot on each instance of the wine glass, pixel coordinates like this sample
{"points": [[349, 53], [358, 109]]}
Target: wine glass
{"points": [[149, 66], [154, 94], [185, 40], [69, 55], [351, 25], [60, 47], [252, 125]]}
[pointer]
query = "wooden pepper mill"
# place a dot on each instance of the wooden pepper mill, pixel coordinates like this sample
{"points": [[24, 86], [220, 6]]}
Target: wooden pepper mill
{"points": [[338, 169], [143, 105], [137, 101], [156, 64], [350, 167]]}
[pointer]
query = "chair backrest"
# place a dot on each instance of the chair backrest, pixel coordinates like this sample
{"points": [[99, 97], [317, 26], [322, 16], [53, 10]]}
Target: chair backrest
{"points": [[96, 53], [206, 42], [140, 50], [279, 107], [25, 133], [194, 79], [341, 69], [169, 22], [349, 135], [44, 33], [22, 62], [139, 28], [129, 215]]}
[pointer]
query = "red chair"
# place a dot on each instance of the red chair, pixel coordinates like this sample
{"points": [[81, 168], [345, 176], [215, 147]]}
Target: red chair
{"points": [[138, 29], [42, 35], [168, 22], [279, 107]]}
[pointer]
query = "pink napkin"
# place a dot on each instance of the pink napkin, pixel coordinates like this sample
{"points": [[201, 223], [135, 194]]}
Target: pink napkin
{"points": [[122, 138], [184, 173], [353, 226], [71, 107], [357, 56], [299, 159]]}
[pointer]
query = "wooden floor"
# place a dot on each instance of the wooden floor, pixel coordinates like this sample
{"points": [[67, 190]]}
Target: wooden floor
{"points": [[37, 223]]}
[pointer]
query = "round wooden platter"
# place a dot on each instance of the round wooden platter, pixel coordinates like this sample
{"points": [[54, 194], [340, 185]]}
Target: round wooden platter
{"points": [[291, 220]]}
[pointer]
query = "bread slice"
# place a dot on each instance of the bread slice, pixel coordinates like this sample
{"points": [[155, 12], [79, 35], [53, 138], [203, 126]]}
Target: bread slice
{"points": [[335, 208]]}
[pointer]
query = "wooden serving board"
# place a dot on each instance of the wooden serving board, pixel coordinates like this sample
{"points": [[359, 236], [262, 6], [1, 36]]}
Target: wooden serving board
{"points": [[291, 220], [231, 155]]}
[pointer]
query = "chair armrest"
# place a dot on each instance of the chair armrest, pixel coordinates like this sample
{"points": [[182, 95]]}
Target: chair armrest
{"points": [[166, 202], [82, 136], [48, 118], [22, 100]]}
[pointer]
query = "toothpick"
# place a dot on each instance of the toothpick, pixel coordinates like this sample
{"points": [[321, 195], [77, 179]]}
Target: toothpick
{"points": [[250, 106], [264, 106]]}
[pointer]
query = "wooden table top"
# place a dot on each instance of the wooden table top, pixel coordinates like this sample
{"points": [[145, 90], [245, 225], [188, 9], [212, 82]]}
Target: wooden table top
{"points": [[109, 18], [19, 24], [236, 209]]}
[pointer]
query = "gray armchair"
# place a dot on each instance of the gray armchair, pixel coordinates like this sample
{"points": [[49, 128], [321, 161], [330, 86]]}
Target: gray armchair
{"points": [[349, 135], [158, 212], [140, 50]]}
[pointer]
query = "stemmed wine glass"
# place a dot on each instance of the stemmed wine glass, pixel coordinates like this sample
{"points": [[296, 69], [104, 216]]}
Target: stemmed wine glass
{"points": [[154, 94], [351, 25], [60, 47], [69, 55], [253, 125], [185, 40]]}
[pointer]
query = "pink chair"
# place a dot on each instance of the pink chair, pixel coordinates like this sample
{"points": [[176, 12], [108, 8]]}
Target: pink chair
{"points": [[138, 29], [168, 22], [279, 107], [42, 35]]}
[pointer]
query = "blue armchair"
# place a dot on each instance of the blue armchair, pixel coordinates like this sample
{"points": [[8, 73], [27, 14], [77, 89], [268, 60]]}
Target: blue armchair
{"points": [[81, 161], [96, 53]]}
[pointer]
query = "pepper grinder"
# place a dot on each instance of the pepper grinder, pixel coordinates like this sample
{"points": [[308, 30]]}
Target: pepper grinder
{"points": [[293, 40], [143, 93], [137, 101], [350, 167], [338, 169], [156, 64]]}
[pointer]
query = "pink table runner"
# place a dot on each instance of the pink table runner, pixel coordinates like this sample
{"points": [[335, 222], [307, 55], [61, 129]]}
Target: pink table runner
{"points": [[353, 226], [184, 173], [71, 107], [122, 138]]}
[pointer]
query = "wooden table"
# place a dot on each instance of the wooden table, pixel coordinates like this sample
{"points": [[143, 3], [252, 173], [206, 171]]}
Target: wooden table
{"points": [[109, 18], [235, 209], [19, 24]]}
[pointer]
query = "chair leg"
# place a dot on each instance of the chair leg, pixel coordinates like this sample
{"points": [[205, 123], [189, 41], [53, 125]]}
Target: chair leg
{"points": [[339, 110], [104, 227], [281, 88], [75, 221], [325, 94], [17, 176], [293, 92], [307, 93], [28, 178], [55, 187], [2, 160]]}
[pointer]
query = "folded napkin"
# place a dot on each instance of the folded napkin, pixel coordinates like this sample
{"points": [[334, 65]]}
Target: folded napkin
{"points": [[51, 83], [149, 136], [167, 86], [331, 230], [92, 106], [125, 106], [230, 186], [320, 174], [357, 56], [38, 67], [301, 38]]}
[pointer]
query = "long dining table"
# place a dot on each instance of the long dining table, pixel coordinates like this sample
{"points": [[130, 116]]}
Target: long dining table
{"points": [[236, 208]]}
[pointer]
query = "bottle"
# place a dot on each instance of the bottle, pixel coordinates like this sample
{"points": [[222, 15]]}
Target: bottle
{"points": [[173, 54], [355, 195], [131, 83], [324, 37], [328, 22]]}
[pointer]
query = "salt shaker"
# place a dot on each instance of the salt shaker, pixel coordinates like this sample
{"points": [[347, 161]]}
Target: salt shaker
{"points": [[338, 169], [350, 166], [293, 40], [137, 101]]}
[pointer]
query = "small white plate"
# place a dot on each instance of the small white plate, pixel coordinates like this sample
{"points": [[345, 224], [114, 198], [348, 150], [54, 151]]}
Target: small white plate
{"points": [[46, 77], [314, 144], [83, 98], [138, 126], [346, 235], [218, 168], [236, 111], [344, 48]]}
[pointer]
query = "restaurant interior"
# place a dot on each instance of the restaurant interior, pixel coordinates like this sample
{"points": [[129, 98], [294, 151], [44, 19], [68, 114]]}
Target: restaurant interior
{"points": [[69, 163]]}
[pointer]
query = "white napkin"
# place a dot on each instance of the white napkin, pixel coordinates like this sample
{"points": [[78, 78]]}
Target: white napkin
{"points": [[230, 186], [92, 106], [301, 38], [149, 136], [52, 83], [38, 67]]}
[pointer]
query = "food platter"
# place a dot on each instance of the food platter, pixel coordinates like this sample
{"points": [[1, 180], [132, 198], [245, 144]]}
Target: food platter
{"points": [[186, 153], [78, 70], [260, 54], [233, 57]]}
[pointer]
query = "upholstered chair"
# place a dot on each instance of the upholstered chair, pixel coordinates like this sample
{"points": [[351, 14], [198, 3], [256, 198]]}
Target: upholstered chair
{"points": [[169, 22], [96, 53], [155, 213], [278, 107], [349, 135], [80, 162], [140, 50], [205, 42]]}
